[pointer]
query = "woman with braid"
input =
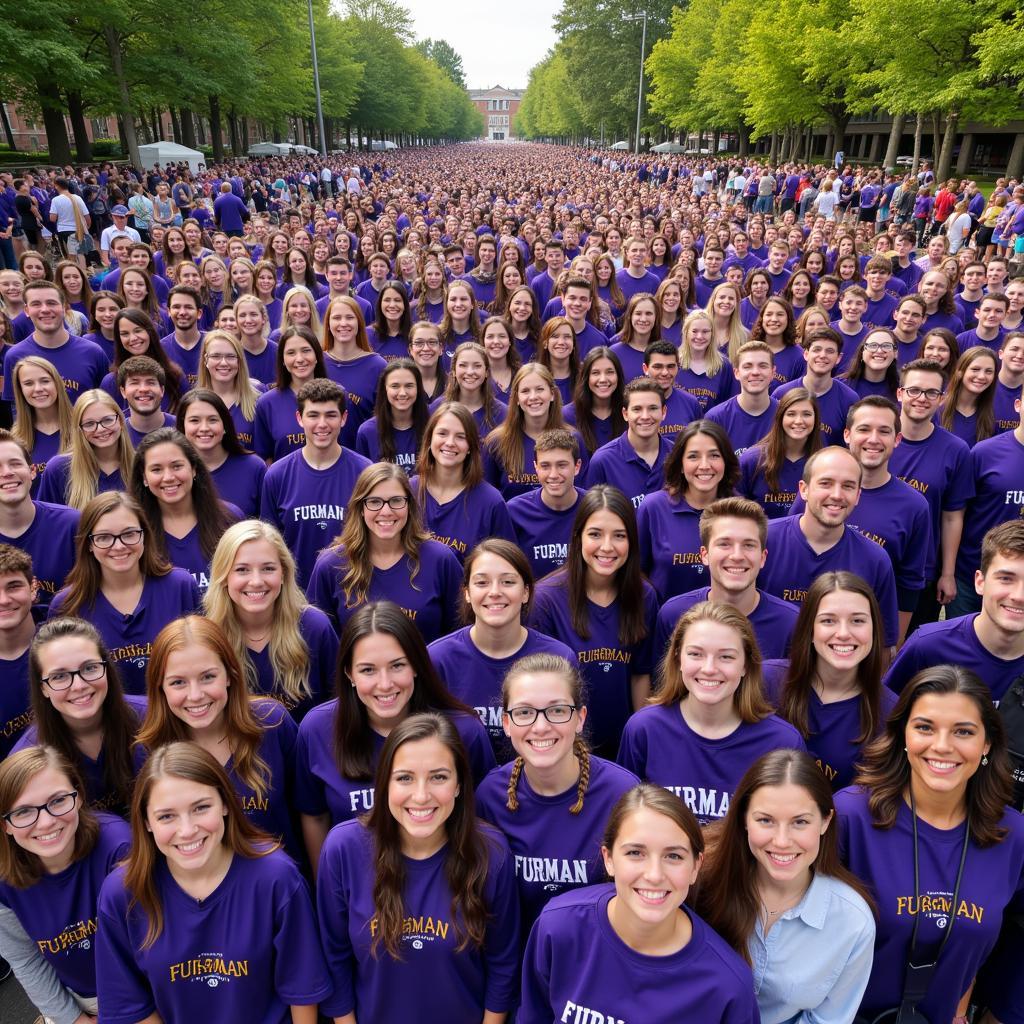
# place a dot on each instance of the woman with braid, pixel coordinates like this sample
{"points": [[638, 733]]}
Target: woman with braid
{"points": [[553, 800]]}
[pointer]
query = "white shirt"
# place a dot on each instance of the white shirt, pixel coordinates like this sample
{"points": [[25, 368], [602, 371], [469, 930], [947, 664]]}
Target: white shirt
{"points": [[64, 206], [109, 234]]}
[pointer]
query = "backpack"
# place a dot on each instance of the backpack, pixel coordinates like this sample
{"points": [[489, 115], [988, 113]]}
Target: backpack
{"points": [[97, 203], [1011, 710]]}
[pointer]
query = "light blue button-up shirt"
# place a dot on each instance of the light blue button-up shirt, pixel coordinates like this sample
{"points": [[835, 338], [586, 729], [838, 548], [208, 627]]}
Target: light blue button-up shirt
{"points": [[814, 963]]}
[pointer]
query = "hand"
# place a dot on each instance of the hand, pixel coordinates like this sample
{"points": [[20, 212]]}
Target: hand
{"points": [[945, 589]]}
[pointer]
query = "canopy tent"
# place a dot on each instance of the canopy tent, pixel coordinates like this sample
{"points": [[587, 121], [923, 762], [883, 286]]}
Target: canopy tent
{"points": [[164, 153], [270, 149], [620, 145], [668, 147]]}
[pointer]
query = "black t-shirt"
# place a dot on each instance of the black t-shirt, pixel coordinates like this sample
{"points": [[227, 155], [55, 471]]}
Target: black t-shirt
{"points": [[23, 204]]}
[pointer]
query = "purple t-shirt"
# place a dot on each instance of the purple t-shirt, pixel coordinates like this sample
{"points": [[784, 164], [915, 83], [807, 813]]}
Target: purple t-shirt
{"points": [[952, 641], [553, 850], [832, 408], [630, 286], [471, 516], [80, 363], [896, 517], [659, 747], [743, 429], [186, 358], [773, 621], [308, 505], [233, 956], [50, 542], [708, 390], [607, 665], [753, 485], [316, 630], [15, 705], [883, 859], [833, 729], [1006, 416], [541, 532], [789, 364], [937, 467], [320, 788], [129, 638], [669, 531], [631, 359], [997, 466], [577, 969], [276, 429], [475, 678], [136, 436], [681, 409], [432, 600], [97, 794], [405, 442], [262, 366], [950, 321], [602, 427], [461, 985], [187, 553], [239, 481], [53, 488], [793, 565], [44, 448], [617, 463], [58, 912], [359, 379]]}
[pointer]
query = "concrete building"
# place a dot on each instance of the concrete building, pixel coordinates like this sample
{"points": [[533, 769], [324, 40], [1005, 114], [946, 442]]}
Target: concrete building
{"points": [[498, 106]]}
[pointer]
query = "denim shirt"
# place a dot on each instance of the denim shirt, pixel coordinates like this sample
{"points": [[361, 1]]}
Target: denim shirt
{"points": [[814, 963]]}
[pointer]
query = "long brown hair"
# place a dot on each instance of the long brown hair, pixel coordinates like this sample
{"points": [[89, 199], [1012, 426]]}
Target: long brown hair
{"points": [[242, 725], [675, 479], [353, 739], [629, 580], [85, 578], [354, 539], [727, 897], [885, 770], [984, 419], [506, 439], [118, 720], [18, 867], [583, 398], [468, 851], [748, 700], [772, 447], [803, 658], [472, 466], [190, 762]]}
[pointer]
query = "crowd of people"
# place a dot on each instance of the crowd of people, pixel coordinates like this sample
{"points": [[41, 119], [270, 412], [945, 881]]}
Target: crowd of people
{"points": [[513, 583]]}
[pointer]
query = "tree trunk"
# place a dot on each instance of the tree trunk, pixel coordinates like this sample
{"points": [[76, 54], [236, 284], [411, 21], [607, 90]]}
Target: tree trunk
{"points": [[216, 138], [131, 142], [8, 132], [839, 133], [52, 104], [175, 124], [945, 162], [76, 112], [188, 128], [348, 134], [809, 148], [245, 135], [936, 140], [918, 128], [236, 144], [1015, 164], [154, 121], [892, 149]]}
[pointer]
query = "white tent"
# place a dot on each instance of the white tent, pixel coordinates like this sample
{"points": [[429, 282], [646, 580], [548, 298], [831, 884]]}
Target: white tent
{"points": [[620, 145], [164, 153], [668, 147], [270, 149]]}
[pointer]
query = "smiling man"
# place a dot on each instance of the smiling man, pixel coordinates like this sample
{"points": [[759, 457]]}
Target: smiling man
{"points": [[802, 547], [733, 533], [990, 642]]}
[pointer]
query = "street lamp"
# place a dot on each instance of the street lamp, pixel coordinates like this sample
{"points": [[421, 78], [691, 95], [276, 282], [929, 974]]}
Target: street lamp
{"points": [[642, 17], [316, 82]]}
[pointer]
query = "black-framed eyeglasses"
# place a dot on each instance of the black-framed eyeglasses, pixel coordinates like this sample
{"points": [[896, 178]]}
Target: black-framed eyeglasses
{"points": [[557, 714], [104, 423], [879, 346], [88, 673], [129, 538], [396, 503], [932, 394], [57, 806]]}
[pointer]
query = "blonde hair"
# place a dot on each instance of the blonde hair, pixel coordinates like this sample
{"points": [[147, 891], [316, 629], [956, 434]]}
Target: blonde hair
{"points": [[84, 470], [257, 303], [289, 653], [25, 415], [714, 356], [737, 333], [245, 393], [314, 317]]}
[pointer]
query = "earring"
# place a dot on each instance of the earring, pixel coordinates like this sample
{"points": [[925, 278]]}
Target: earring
{"points": [[984, 759]]}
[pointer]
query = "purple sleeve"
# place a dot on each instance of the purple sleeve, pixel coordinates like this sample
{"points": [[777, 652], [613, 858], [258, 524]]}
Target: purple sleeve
{"points": [[123, 989], [905, 665], [268, 504], [632, 749], [501, 946], [300, 972], [535, 1001], [884, 584], [450, 585], [333, 915], [262, 438]]}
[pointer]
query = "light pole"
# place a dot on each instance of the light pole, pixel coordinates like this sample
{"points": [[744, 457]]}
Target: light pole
{"points": [[640, 16], [316, 81]]}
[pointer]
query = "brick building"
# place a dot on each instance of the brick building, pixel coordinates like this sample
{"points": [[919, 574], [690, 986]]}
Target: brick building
{"points": [[498, 106]]}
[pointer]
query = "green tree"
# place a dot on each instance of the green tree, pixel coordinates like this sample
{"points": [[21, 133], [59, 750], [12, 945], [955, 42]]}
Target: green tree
{"points": [[441, 52]]}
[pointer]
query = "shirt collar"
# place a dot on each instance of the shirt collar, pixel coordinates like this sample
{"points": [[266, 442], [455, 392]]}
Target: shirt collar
{"points": [[813, 908]]}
